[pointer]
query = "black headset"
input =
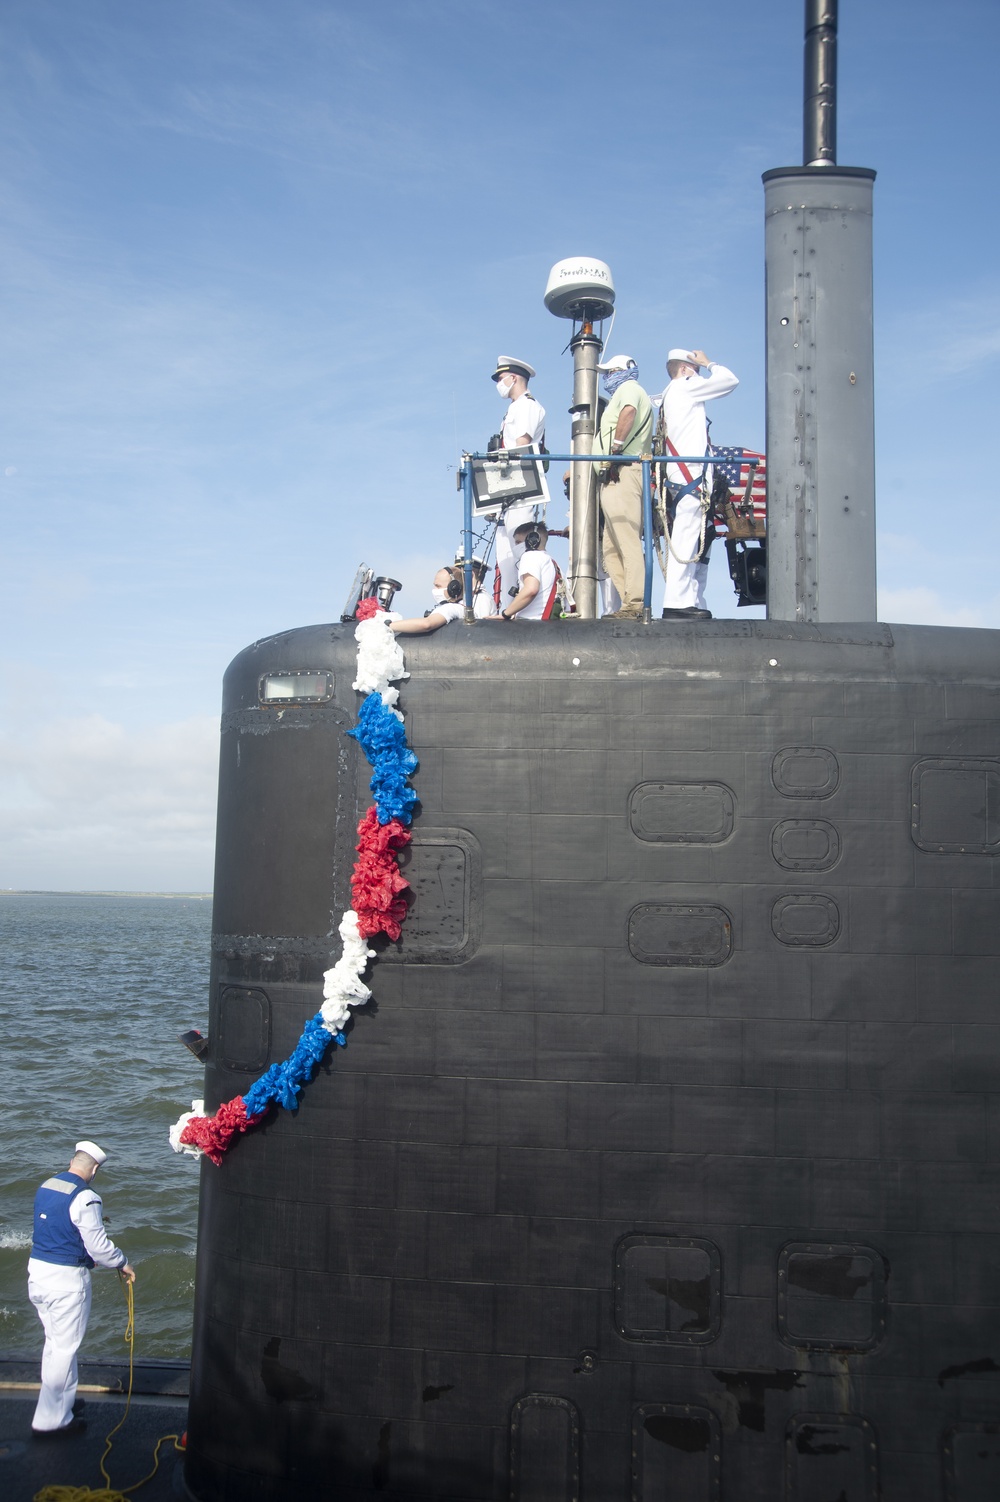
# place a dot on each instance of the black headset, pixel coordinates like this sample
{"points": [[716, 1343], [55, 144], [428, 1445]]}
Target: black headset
{"points": [[455, 589], [532, 540]]}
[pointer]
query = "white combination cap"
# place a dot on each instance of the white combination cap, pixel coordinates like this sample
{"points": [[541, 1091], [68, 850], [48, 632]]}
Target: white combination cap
{"points": [[617, 362], [507, 365], [685, 356], [93, 1151]]}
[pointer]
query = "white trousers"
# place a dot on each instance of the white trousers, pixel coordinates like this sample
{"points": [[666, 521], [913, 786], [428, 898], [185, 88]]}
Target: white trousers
{"points": [[507, 525], [61, 1295], [685, 581], [611, 600]]}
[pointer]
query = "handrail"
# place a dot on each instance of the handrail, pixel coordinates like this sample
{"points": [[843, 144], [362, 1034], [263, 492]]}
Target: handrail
{"points": [[646, 460]]}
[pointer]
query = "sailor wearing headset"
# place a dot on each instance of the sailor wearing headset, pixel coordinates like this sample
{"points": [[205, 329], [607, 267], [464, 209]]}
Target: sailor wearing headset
{"points": [[537, 576], [447, 592], [482, 597]]}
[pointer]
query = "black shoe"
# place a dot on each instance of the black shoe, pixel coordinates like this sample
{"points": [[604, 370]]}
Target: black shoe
{"points": [[75, 1426], [692, 613]]}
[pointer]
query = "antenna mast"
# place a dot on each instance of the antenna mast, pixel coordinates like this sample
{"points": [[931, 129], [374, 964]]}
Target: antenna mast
{"points": [[819, 113]]}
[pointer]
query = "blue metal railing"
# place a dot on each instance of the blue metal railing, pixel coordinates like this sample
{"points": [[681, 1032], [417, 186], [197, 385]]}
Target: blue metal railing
{"points": [[647, 462]]}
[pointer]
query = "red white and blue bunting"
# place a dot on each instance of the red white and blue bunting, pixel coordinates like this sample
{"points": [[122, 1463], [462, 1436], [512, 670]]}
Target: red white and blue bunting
{"points": [[378, 905]]}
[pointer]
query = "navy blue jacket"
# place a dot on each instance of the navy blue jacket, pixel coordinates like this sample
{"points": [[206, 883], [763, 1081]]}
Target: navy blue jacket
{"points": [[55, 1238]]}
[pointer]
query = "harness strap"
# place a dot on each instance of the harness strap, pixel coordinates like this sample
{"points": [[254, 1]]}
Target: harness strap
{"points": [[681, 466], [692, 484], [688, 488], [547, 612]]}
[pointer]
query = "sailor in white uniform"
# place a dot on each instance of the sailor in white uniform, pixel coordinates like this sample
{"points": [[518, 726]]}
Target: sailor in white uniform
{"points": [[68, 1239], [686, 427], [537, 576], [482, 593], [448, 594], [523, 427]]}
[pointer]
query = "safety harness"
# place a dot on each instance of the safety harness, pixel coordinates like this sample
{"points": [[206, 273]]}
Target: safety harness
{"points": [[550, 602], [690, 486]]}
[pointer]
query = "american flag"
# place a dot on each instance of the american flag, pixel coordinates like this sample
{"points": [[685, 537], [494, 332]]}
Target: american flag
{"points": [[734, 464]]}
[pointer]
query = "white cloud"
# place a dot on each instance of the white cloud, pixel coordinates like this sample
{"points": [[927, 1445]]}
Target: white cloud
{"points": [[86, 803], [920, 606], [974, 347], [963, 591], [956, 336]]}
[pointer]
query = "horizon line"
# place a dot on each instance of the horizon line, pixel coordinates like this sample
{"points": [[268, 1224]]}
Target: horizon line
{"points": [[93, 892]]}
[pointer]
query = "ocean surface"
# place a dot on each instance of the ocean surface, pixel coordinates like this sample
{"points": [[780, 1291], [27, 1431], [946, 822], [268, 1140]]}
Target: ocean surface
{"points": [[94, 989]]}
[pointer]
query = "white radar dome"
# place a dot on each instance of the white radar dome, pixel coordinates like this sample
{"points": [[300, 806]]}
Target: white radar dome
{"points": [[580, 287]]}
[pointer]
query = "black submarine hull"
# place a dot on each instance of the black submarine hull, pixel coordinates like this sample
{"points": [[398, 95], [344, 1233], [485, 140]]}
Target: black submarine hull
{"points": [[665, 1161]]}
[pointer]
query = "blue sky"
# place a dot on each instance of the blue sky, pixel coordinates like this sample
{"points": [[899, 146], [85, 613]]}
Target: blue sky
{"points": [[260, 259]]}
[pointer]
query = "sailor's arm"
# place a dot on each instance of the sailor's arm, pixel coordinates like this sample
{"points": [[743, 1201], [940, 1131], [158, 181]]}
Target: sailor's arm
{"points": [[623, 428], [420, 624], [721, 380], [527, 592], [85, 1213], [517, 415]]}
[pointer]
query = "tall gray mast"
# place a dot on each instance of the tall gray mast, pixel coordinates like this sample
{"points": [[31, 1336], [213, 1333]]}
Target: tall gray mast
{"points": [[820, 401], [819, 122], [582, 288], [583, 506]]}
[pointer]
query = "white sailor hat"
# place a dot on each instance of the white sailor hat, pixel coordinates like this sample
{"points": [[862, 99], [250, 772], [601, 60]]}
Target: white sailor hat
{"points": [[617, 362], [92, 1150], [477, 562], [507, 365], [684, 356]]}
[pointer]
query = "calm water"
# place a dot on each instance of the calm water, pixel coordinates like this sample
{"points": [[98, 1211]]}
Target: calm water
{"points": [[93, 991]]}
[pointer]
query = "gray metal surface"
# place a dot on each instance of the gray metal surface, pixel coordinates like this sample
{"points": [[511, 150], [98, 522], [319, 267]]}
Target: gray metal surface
{"points": [[583, 503], [664, 1162], [820, 396], [819, 116], [27, 1465]]}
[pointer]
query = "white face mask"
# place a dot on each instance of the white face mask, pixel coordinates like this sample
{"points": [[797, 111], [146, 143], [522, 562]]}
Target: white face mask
{"points": [[505, 388], [439, 595]]}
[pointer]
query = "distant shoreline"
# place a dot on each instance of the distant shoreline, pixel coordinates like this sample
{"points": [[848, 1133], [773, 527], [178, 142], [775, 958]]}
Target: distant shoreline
{"points": [[87, 892]]}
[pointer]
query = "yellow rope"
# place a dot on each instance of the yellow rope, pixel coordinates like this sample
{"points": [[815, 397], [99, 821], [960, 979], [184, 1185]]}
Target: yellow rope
{"points": [[107, 1493]]}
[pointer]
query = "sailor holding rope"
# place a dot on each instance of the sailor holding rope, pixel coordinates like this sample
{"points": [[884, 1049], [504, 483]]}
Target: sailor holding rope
{"points": [[67, 1241]]}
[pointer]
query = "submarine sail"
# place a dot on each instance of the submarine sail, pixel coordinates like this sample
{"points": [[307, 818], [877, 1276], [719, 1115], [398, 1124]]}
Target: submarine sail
{"points": [[665, 1153], [662, 1163]]}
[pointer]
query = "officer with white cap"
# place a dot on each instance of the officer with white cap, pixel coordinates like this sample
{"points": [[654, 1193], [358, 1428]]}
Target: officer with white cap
{"points": [[523, 427], [482, 597], [68, 1239], [686, 427]]}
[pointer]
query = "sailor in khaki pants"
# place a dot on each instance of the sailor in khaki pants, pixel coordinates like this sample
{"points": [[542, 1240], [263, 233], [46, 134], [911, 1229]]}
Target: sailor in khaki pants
{"points": [[626, 428]]}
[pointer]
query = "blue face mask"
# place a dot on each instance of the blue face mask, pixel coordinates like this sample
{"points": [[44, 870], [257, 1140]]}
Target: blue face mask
{"points": [[614, 378]]}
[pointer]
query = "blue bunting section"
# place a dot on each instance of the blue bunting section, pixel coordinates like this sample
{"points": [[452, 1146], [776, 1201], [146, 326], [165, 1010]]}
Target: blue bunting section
{"points": [[280, 1085], [382, 737]]}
